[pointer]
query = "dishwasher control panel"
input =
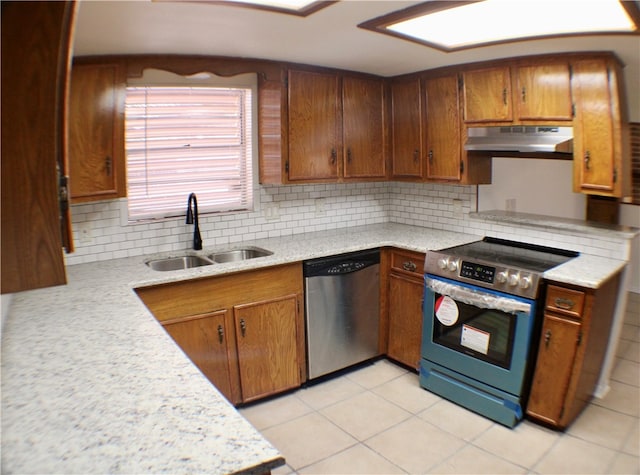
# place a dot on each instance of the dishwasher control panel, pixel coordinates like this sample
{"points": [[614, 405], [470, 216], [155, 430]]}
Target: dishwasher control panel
{"points": [[345, 267]]}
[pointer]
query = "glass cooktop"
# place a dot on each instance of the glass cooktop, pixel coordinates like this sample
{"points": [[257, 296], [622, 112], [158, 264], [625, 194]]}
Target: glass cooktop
{"points": [[531, 257]]}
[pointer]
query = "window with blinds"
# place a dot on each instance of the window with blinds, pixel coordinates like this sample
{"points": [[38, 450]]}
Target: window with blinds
{"points": [[181, 140]]}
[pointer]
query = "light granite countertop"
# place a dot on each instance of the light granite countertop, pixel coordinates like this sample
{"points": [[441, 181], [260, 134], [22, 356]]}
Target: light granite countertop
{"points": [[91, 383], [552, 223]]}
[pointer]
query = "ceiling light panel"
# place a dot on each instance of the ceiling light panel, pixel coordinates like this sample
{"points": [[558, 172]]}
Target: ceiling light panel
{"points": [[285, 4], [458, 25]]}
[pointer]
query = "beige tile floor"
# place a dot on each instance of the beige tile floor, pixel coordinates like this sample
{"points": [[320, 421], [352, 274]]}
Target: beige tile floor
{"points": [[377, 420]]}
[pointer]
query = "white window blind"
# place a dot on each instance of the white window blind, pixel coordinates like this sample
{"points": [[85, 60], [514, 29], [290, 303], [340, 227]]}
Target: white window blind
{"points": [[181, 140]]}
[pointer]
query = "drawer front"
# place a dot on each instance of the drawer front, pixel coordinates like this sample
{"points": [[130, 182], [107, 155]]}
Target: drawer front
{"points": [[408, 262], [565, 301]]}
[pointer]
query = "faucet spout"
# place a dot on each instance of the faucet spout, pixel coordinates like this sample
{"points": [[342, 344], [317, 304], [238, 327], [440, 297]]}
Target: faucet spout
{"points": [[192, 218]]}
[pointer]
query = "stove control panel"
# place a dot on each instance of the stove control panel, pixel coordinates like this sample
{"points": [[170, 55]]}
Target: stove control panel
{"points": [[478, 272], [503, 279]]}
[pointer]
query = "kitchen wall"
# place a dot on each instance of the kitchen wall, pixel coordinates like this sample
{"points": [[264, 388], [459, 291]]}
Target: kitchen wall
{"points": [[101, 231]]}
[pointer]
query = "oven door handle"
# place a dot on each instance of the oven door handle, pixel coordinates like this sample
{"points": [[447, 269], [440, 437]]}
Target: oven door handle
{"points": [[477, 298]]}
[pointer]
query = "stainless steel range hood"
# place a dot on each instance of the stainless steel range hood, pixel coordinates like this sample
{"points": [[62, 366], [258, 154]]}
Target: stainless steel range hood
{"points": [[522, 139]]}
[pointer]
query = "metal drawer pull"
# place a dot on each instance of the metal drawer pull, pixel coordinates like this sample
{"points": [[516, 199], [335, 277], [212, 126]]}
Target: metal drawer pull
{"points": [[565, 304], [409, 266], [220, 334], [243, 326]]}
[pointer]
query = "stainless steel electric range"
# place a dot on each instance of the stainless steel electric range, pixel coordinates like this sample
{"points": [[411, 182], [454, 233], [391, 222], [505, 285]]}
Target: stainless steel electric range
{"points": [[481, 323]]}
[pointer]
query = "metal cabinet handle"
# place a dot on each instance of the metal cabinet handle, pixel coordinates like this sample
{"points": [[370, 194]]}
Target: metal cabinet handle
{"points": [[334, 156], [108, 165], [504, 96], [430, 156], [416, 155], [547, 337], [524, 94], [565, 304], [349, 155], [409, 266], [587, 160], [220, 334], [243, 326]]}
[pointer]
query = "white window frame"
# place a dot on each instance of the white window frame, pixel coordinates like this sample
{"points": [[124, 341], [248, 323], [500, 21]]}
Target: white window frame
{"points": [[177, 208]]}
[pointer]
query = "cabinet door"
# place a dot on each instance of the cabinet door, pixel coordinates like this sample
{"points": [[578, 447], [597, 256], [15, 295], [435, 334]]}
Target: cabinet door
{"points": [[203, 338], [544, 92], [266, 338], [406, 140], [552, 376], [405, 319], [443, 128], [35, 58], [314, 144], [96, 131], [594, 162], [363, 127], [487, 95]]}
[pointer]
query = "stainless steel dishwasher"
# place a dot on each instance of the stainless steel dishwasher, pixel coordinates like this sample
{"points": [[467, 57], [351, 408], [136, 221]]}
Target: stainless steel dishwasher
{"points": [[341, 310]]}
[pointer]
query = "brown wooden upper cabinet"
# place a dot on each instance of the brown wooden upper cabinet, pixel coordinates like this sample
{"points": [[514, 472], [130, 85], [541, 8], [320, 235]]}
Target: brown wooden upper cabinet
{"points": [[601, 140], [444, 149], [35, 58], [335, 127], [543, 92], [314, 134], [518, 94], [407, 130], [363, 119], [487, 95], [96, 132]]}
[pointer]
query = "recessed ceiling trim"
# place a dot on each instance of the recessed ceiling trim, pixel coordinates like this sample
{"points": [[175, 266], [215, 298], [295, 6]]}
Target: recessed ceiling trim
{"points": [[382, 24], [303, 11]]}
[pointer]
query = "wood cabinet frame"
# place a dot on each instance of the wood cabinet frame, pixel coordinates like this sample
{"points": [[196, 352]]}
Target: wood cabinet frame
{"points": [[403, 268], [571, 352], [475, 167], [36, 41], [233, 294]]}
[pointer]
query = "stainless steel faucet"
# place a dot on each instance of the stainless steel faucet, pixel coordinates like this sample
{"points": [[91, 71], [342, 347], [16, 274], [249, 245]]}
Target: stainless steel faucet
{"points": [[192, 218]]}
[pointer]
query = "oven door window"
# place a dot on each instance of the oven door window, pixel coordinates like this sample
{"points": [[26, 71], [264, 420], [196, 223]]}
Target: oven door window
{"points": [[485, 334]]}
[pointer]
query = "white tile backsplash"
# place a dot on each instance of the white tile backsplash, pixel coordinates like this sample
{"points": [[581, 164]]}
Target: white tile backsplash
{"points": [[100, 232]]}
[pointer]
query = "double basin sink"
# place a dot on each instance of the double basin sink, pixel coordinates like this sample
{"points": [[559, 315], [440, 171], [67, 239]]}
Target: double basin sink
{"points": [[189, 261]]}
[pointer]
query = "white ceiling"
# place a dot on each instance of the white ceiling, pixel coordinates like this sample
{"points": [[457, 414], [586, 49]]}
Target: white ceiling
{"points": [[329, 37]]}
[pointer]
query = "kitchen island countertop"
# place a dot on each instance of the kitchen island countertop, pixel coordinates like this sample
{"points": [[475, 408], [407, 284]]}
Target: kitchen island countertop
{"points": [[91, 383]]}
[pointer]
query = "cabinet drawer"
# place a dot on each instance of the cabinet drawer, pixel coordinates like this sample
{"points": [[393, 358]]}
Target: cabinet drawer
{"points": [[565, 301], [407, 261]]}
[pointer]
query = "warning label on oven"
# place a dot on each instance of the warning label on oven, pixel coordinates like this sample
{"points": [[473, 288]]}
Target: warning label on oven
{"points": [[475, 339], [446, 311]]}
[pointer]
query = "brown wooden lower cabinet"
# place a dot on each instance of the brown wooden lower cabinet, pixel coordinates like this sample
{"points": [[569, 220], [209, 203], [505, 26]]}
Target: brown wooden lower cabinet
{"points": [[405, 291], [244, 331], [204, 340], [266, 335], [573, 342]]}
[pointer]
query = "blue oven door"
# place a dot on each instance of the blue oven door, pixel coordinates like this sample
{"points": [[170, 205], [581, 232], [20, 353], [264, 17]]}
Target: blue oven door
{"points": [[476, 346]]}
